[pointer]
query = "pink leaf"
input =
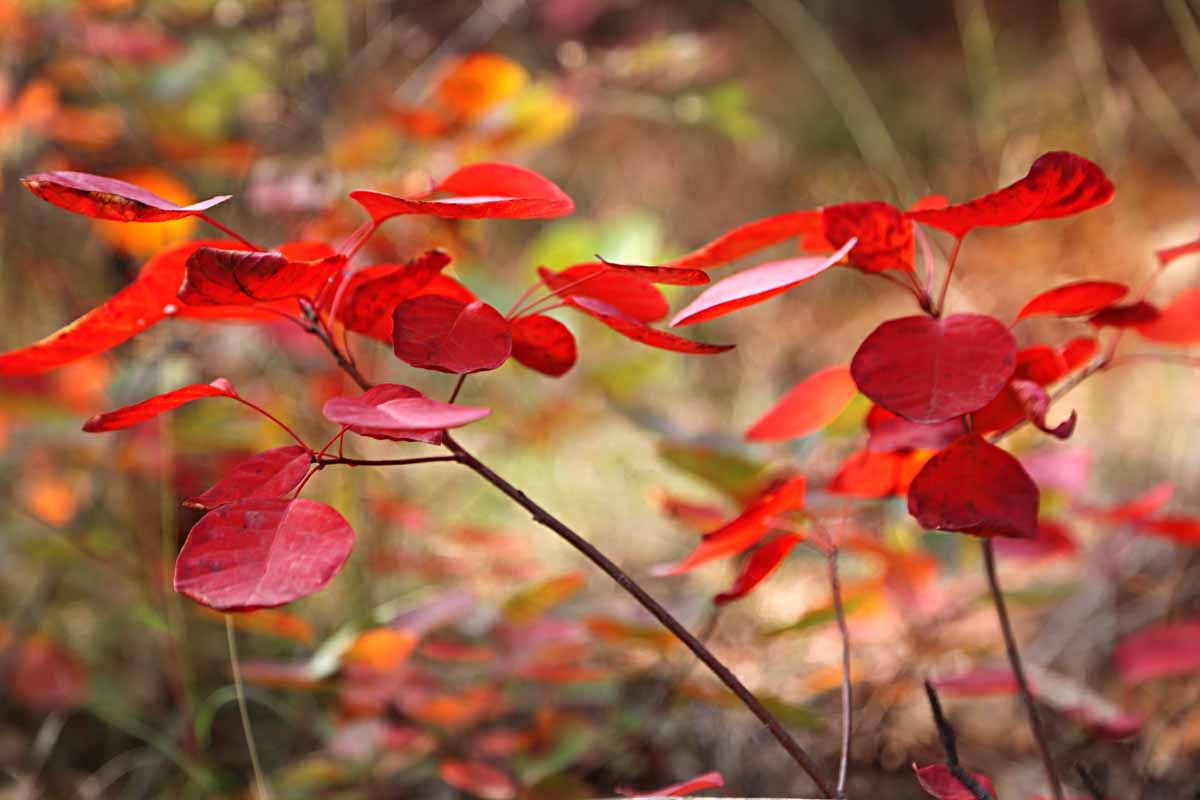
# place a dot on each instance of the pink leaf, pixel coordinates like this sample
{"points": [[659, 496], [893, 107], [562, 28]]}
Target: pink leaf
{"points": [[807, 407], [938, 781], [477, 191], [153, 406], [1159, 651], [268, 474], [448, 335], [396, 410]]}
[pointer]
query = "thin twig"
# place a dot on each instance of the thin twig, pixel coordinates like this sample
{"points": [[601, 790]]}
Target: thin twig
{"points": [[1018, 670], [839, 612], [385, 462], [1089, 780], [950, 745], [260, 780]]}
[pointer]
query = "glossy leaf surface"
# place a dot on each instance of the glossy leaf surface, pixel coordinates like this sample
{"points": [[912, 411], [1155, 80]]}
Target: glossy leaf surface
{"points": [[394, 409]]}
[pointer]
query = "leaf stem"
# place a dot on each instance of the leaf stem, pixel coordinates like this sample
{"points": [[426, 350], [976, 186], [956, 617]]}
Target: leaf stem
{"points": [[232, 233], [386, 462], [835, 586], [276, 420], [260, 781], [941, 303], [1018, 670]]}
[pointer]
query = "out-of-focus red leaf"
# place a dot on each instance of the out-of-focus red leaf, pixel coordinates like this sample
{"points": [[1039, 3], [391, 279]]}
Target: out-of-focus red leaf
{"points": [[448, 335], [1169, 254], [1139, 507], [262, 553], [626, 292], [1036, 403], [938, 781], [762, 562], [887, 432], [43, 676], [1054, 539], [1159, 651], [477, 191], [751, 237], [883, 237], [1058, 184], [394, 411], [153, 406], [709, 780], [532, 602], [669, 276], [979, 682], [743, 530], [478, 778], [639, 331], [929, 201], [754, 285], [234, 277], [975, 487], [111, 199], [931, 370], [1130, 315], [1178, 323], [1078, 352], [1076, 299], [1184, 530], [543, 344], [272, 473], [866, 473], [807, 407]]}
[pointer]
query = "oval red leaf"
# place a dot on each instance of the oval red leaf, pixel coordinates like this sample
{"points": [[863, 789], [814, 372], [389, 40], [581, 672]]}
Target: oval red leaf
{"points": [[931, 370], [754, 285], [1074, 299], [268, 474], [153, 406], [807, 407], [975, 487], [399, 410], [262, 553], [1058, 184], [448, 335], [543, 344], [234, 277], [107, 198]]}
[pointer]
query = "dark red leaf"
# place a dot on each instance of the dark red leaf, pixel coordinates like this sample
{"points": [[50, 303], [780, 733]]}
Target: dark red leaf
{"points": [[640, 331], [807, 407], [373, 292], [884, 238], [1059, 184], [235, 277], [628, 293], [939, 782], [448, 335], [1132, 315], [670, 276], [758, 567], [544, 344], [745, 529], [931, 370], [153, 406], [1178, 323], [1074, 299], [111, 199], [393, 411], [1036, 403], [755, 285], [478, 778], [751, 237], [272, 473], [709, 780], [1159, 651], [262, 553], [1053, 539], [477, 191], [975, 487]]}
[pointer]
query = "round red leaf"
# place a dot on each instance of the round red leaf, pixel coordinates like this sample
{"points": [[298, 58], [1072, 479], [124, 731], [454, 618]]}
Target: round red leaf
{"points": [[448, 335]]}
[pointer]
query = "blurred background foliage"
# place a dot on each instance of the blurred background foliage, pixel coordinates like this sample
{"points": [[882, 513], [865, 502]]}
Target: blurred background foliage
{"points": [[462, 650]]}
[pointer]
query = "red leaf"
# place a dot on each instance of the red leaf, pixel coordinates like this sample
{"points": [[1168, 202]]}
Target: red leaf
{"points": [[1036, 403], [478, 778], [1078, 352], [975, 487], [865, 473], [670, 276], [373, 293], [262, 553], [931, 370], [1039, 364], [1074, 299], [43, 676], [743, 530], [1138, 508], [393, 411], [235, 277], [1059, 184], [758, 567], [544, 344], [1184, 530], [478, 191], [268, 474], [807, 407], [709, 780], [1053, 539], [1178, 323], [750, 237], [629, 294], [889, 433], [153, 406], [111, 199], [448, 335], [981, 681], [939, 782], [1132, 315], [884, 238], [1159, 651], [754, 285], [640, 331]]}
